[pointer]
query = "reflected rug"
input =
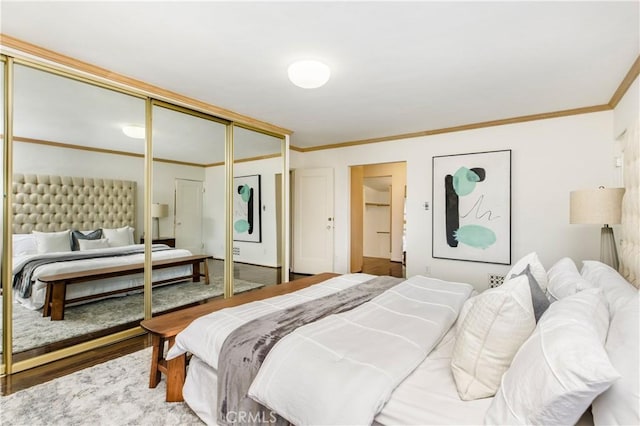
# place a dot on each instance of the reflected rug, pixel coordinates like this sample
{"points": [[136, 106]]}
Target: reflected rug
{"points": [[31, 329], [113, 393]]}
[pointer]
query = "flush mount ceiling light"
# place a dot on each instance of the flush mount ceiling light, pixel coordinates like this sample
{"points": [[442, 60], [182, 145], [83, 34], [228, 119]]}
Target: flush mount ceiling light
{"points": [[133, 131], [309, 74]]}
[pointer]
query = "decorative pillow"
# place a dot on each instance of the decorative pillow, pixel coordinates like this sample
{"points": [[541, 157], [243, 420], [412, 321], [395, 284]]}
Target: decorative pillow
{"points": [[93, 244], [537, 269], [538, 298], [119, 237], [565, 280], [84, 235], [53, 242], [560, 369], [24, 244], [620, 404], [498, 322], [616, 289]]}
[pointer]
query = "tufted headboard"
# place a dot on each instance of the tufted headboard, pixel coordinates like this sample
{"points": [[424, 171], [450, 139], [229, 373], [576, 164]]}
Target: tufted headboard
{"points": [[49, 203]]}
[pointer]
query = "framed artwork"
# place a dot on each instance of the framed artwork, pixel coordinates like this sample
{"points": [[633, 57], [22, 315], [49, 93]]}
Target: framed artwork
{"points": [[472, 207], [247, 218]]}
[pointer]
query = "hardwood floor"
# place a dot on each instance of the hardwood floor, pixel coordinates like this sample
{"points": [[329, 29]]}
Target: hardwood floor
{"points": [[267, 276], [378, 266]]}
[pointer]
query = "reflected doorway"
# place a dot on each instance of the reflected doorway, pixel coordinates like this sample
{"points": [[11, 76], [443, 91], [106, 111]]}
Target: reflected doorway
{"points": [[188, 216]]}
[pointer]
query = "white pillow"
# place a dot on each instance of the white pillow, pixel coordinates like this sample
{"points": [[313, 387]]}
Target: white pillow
{"points": [[119, 237], [620, 404], [565, 280], [499, 320], [537, 270], [93, 244], [24, 244], [616, 289], [560, 369], [53, 242]]}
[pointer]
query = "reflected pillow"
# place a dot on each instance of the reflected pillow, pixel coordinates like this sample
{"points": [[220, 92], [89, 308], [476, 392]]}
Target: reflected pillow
{"points": [[84, 235], [24, 244], [100, 243], [53, 242], [119, 237]]}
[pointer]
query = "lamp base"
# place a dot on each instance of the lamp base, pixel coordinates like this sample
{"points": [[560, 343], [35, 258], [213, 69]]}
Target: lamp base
{"points": [[155, 234], [608, 250]]}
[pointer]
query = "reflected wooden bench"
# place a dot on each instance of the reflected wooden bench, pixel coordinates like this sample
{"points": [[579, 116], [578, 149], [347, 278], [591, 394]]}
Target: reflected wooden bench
{"points": [[55, 297]]}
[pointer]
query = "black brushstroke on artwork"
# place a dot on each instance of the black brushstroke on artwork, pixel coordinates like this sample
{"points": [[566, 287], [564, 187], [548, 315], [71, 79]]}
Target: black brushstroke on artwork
{"points": [[452, 216], [479, 214], [249, 208], [452, 207]]}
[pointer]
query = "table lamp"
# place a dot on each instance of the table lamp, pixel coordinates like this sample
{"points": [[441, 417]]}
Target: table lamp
{"points": [[599, 206], [158, 211]]}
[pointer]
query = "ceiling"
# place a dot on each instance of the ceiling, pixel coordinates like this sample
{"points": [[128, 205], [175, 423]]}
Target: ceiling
{"points": [[397, 67]]}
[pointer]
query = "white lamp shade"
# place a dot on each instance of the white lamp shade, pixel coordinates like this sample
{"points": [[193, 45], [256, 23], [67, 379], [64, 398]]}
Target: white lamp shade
{"points": [[596, 206], [159, 210], [309, 74]]}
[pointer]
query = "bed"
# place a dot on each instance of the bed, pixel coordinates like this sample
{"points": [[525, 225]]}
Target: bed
{"points": [[503, 356], [66, 224]]}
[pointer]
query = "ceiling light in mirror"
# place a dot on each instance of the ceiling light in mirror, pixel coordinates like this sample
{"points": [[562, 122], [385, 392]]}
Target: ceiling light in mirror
{"points": [[309, 74], [133, 131]]}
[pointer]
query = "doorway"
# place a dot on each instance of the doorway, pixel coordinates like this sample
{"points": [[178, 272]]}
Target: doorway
{"points": [[188, 215], [378, 193]]}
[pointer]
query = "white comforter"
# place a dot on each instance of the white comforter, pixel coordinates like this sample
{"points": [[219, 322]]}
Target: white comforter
{"points": [[343, 369], [36, 301], [204, 337]]}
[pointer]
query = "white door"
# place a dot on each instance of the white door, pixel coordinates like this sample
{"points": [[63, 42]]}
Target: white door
{"points": [[313, 221], [188, 215]]}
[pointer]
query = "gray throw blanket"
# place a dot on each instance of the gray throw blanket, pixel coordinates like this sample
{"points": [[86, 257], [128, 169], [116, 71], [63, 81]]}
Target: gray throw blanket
{"points": [[245, 349], [23, 277]]}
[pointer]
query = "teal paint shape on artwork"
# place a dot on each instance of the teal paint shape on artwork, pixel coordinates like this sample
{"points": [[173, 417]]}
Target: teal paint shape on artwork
{"points": [[241, 226], [464, 181], [475, 236], [245, 193]]}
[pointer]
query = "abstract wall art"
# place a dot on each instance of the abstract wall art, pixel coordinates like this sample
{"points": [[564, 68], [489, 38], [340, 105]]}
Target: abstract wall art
{"points": [[246, 209], [472, 207]]}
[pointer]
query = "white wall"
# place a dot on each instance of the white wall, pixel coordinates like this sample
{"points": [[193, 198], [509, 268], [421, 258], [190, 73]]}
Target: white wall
{"points": [[549, 159], [43, 159], [264, 253]]}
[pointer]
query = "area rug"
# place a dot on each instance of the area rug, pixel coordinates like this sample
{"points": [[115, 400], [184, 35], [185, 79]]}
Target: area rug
{"points": [[113, 393], [31, 329]]}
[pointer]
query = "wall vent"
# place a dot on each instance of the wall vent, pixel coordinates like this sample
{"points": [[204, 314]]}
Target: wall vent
{"points": [[495, 280]]}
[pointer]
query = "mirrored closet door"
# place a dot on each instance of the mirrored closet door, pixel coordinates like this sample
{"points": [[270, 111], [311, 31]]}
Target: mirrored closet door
{"points": [[78, 195], [257, 209], [188, 204]]}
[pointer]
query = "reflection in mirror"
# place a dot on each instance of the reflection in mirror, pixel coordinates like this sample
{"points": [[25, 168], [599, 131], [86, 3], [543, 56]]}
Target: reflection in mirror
{"points": [[257, 209], [188, 198], [4, 231], [78, 206]]}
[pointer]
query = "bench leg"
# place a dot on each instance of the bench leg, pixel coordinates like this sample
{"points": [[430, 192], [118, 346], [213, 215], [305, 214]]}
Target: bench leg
{"points": [[176, 374], [206, 272], [58, 296], [156, 358], [46, 309], [196, 271]]}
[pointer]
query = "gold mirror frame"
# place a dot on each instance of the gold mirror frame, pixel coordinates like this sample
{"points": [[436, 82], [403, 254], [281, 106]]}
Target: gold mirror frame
{"points": [[7, 366]]}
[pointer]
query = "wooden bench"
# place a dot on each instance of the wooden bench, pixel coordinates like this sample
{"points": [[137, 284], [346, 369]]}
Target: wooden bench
{"points": [[164, 328], [55, 297]]}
